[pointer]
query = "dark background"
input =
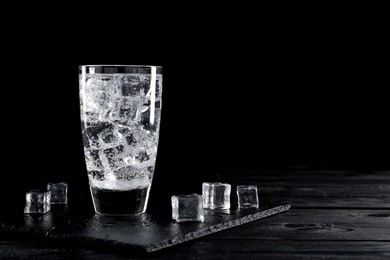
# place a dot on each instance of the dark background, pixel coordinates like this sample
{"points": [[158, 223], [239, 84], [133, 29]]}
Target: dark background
{"points": [[239, 94]]}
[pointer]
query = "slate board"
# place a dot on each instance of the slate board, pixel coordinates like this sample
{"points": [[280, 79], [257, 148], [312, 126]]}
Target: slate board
{"points": [[137, 234]]}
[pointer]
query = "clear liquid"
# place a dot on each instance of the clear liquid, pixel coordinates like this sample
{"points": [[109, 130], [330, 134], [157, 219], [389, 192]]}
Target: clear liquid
{"points": [[120, 202]]}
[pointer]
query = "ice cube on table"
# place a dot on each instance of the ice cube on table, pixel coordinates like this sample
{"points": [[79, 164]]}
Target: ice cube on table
{"points": [[216, 195], [206, 194], [187, 208], [247, 196], [37, 202], [59, 192]]}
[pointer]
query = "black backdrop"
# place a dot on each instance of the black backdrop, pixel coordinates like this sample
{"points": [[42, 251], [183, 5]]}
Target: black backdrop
{"points": [[234, 98]]}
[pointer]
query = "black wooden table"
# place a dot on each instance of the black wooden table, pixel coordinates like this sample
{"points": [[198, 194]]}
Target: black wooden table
{"points": [[334, 215]]}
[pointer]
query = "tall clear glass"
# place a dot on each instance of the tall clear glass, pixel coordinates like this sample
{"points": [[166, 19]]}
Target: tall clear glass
{"points": [[120, 115]]}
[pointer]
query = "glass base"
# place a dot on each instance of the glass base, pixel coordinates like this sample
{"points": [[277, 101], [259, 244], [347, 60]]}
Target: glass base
{"points": [[120, 202]]}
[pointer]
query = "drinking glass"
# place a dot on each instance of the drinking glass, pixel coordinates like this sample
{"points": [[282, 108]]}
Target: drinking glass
{"points": [[120, 118]]}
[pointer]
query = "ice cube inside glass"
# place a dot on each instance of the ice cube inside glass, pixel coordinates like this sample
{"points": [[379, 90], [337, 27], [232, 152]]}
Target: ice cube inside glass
{"points": [[247, 196], [216, 195], [59, 192], [37, 202], [187, 208]]}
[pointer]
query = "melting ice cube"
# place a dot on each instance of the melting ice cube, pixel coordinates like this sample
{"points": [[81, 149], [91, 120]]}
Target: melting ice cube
{"points": [[59, 192], [247, 196], [187, 208], [216, 195], [37, 202]]}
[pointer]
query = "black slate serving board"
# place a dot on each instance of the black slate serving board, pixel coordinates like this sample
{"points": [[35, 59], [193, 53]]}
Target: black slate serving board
{"points": [[139, 234]]}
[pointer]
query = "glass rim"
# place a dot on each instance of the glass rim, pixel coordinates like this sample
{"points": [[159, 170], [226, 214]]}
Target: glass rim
{"points": [[120, 65], [119, 69]]}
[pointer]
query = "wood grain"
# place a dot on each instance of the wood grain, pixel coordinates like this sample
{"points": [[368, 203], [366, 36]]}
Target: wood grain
{"points": [[271, 249], [335, 214], [210, 249], [329, 202], [317, 224]]}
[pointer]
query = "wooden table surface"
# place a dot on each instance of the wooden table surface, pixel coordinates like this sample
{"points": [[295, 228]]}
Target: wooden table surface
{"points": [[334, 215]]}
